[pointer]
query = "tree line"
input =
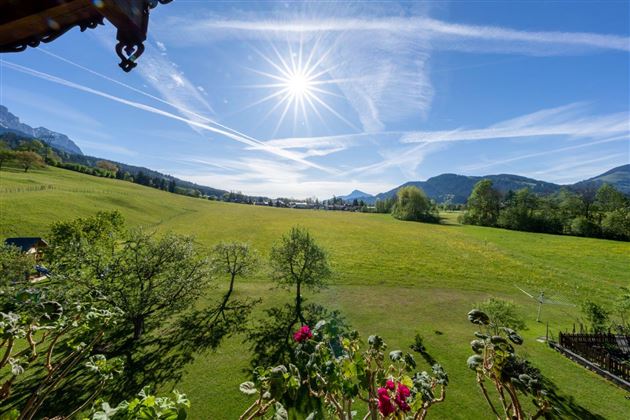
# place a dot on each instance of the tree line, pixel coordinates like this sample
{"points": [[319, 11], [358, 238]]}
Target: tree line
{"points": [[602, 212]]}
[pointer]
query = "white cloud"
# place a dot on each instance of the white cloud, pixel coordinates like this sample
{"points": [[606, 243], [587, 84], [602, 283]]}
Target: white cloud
{"points": [[270, 178], [173, 86], [570, 120], [105, 147], [435, 30], [519, 157]]}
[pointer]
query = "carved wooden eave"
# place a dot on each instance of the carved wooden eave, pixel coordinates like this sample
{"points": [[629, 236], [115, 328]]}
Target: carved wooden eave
{"points": [[27, 23]]}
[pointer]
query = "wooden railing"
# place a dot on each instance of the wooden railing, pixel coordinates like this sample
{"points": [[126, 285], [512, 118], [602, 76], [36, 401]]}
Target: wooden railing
{"points": [[595, 348]]}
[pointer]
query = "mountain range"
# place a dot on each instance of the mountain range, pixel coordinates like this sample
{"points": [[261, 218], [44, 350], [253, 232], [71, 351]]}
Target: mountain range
{"points": [[455, 189], [11, 123]]}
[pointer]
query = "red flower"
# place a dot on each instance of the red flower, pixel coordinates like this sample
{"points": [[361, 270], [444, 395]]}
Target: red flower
{"points": [[403, 391], [385, 405], [390, 385], [303, 334], [401, 397]]}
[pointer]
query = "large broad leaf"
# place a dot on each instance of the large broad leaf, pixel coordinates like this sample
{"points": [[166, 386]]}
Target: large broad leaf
{"points": [[248, 388], [281, 412], [396, 355], [478, 317], [474, 361]]}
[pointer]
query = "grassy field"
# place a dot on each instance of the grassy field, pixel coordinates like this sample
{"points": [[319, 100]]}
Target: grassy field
{"points": [[391, 278]]}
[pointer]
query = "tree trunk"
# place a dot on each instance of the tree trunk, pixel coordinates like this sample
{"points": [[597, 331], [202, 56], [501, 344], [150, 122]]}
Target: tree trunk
{"points": [[138, 328]]}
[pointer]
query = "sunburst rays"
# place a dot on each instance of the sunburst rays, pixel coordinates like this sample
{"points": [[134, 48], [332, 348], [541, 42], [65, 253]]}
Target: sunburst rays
{"points": [[301, 86]]}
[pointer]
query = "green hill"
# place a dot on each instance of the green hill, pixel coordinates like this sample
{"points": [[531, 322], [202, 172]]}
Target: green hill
{"points": [[618, 177], [392, 278]]}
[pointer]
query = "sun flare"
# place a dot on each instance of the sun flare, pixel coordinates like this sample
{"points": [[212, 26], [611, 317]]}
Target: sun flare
{"points": [[298, 83]]}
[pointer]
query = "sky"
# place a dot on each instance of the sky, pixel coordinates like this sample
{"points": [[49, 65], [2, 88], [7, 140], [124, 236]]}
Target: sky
{"points": [[315, 99]]}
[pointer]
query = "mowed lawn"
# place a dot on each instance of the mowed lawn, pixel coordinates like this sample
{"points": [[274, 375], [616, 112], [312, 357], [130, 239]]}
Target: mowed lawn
{"points": [[391, 278]]}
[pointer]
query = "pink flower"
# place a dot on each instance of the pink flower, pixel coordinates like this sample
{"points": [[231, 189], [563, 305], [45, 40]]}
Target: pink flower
{"points": [[303, 334], [385, 405], [390, 385], [403, 391], [402, 394]]}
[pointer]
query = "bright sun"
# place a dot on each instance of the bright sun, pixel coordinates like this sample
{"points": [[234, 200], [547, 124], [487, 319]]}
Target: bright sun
{"points": [[298, 84]]}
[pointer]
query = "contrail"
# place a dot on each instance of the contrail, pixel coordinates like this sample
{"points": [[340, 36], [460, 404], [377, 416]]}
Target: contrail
{"points": [[241, 139], [148, 95]]}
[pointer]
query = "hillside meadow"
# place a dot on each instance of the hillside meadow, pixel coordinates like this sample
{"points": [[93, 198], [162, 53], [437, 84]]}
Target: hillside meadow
{"points": [[391, 278]]}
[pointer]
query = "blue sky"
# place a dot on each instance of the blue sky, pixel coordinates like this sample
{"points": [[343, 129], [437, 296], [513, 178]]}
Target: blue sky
{"points": [[319, 98]]}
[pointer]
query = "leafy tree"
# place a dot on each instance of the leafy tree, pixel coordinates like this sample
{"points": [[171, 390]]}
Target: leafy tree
{"points": [[520, 210], [298, 261], [385, 206], [622, 308], [234, 259], [15, 266], [28, 160], [145, 276], [608, 198], [616, 224], [583, 226], [483, 204], [413, 204], [6, 155], [596, 315], [502, 314], [107, 166]]}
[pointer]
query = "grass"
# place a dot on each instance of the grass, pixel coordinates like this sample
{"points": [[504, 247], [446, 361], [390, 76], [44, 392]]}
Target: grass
{"points": [[391, 278]]}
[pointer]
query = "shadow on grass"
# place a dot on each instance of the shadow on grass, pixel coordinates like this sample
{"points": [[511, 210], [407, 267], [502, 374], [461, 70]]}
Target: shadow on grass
{"points": [[564, 406], [158, 359]]}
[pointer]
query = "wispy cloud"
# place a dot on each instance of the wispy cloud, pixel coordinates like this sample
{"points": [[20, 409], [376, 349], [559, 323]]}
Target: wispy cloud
{"points": [[265, 177], [519, 157], [87, 146], [496, 37], [570, 120], [173, 85], [384, 76], [323, 145]]}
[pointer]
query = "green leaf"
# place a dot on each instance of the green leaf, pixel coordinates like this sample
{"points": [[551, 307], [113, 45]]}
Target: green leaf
{"points": [[280, 412], [478, 317], [248, 388], [474, 361]]}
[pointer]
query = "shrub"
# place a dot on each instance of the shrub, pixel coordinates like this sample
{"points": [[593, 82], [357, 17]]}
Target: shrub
{"points": [[596, 315], [496, 361], [334, 369], [581, 226]]}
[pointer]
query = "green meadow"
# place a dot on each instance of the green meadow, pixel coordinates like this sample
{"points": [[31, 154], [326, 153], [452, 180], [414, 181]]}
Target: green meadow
{"points": [[391, 278]]}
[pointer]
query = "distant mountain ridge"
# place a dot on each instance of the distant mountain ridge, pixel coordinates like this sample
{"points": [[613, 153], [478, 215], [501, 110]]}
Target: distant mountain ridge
{"points": [[11, 123], [355, 194], [453, 188], [618, 177]]}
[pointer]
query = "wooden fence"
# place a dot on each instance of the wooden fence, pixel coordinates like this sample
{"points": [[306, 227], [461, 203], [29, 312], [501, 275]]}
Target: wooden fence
{"points": [[595, 348]]}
